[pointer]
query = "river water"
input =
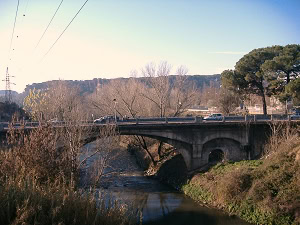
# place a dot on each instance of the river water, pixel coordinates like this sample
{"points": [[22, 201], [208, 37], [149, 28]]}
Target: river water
{"points": [[154, 202]]}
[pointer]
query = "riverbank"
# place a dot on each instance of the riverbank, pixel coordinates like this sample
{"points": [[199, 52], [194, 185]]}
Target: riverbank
{"points": [[153, 201], [265, 191], [39, 185]]}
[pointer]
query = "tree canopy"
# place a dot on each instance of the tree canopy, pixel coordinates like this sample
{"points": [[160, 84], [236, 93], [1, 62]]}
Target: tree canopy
{"points": [[282, 70], [293, 90], [264, 72]]}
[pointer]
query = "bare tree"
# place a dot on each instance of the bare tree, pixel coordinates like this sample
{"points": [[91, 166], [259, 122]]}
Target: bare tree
{"points": [[65, 103], [183, 93], [127, 94], [95, 160], [159, 86], [36, 104], [210, 95], [228, 101], [158, 95], [171, 96]]}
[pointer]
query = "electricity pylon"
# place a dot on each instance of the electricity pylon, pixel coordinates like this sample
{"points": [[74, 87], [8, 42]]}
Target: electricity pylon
{"points": [[8, 96]]}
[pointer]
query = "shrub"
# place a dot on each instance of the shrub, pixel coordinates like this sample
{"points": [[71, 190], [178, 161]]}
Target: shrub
{"points": [[25, 202], [35, 153], [36, 184]]}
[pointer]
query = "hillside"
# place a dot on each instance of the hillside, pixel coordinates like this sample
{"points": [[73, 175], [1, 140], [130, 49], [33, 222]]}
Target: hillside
{"points": [[2, 93], [89, 86]]}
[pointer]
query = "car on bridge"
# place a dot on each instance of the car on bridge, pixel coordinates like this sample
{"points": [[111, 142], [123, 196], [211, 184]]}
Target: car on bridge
{"points": [[295, 116], [54, 121], [214, 116], [106, 119]]}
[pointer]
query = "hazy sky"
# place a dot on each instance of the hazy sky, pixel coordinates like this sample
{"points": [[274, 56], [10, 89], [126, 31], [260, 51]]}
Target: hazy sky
{"points": [[110, 38]]}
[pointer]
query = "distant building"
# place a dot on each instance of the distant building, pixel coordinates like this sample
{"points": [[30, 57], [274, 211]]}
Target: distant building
{"points": [[199, 109]]}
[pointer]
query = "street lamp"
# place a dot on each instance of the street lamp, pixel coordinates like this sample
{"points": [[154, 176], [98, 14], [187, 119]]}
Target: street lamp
{"points": [[178, 108], [115, 108]]}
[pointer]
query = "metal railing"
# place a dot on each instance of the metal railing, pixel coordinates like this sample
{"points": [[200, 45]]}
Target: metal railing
{"points": [[161, 120]]}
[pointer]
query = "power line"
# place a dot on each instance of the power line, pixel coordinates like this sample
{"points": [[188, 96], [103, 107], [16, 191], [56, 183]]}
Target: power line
{"points": [[7, 76], [25, 8], [49, 24], [12, 36], [64, 30]]}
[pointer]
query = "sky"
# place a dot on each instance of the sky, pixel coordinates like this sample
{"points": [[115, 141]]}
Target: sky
{"points": [[111, 38]]}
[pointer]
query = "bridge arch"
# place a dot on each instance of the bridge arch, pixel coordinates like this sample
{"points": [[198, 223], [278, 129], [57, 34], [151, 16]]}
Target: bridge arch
{"points": [[215, 156], [181, 147], [231, 149], [232, 136]]}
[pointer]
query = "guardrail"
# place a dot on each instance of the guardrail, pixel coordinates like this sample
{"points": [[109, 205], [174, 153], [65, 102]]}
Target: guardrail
{"points": [[160, 120]]}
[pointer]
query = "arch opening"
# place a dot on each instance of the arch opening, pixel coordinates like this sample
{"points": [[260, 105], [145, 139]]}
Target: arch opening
{"points": [[216, 156]]}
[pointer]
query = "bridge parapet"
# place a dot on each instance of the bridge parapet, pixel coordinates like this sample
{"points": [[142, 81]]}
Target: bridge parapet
{"points": [[196, 139]]}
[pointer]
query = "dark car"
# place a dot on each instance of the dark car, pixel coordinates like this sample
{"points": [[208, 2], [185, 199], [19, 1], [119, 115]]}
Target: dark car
{"points": [[214, 116], [106, 119], [295, 116], [54, 121]]}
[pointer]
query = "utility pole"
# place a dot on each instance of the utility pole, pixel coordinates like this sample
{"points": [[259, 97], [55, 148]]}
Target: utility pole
{"points": [[115, 109], [8, 96]]}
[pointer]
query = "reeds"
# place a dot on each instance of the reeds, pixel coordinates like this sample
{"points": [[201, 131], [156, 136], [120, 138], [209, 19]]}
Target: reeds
{"points": [[38, 186]]}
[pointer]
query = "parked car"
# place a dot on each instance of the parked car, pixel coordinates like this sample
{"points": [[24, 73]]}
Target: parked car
{"points": [[295, 116], [106, 119], [54, 121], [214, 116]]}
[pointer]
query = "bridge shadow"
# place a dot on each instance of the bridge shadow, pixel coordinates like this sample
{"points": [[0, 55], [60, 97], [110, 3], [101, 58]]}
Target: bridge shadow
{"points": [[183, 218], [173, 172], [196, 215]]}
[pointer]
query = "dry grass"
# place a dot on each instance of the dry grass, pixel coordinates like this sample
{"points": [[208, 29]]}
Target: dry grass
{"points": [[26, 202], [37, 184], [283, 137], [36, 154]]}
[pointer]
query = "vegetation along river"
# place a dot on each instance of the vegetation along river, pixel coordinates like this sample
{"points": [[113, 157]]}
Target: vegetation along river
{"points": [[155, 202]]}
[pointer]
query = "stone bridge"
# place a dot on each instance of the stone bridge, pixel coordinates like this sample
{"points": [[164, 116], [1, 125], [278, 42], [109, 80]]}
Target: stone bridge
{"points": [[200, 142]]}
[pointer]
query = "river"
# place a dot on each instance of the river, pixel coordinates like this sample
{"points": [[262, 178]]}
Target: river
{"points": [[155, 202]]}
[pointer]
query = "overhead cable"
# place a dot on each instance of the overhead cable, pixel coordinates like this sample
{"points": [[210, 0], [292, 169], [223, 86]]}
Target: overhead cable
{"points": [[48, 24], [12, 35], [64, 30], [25, 8]]}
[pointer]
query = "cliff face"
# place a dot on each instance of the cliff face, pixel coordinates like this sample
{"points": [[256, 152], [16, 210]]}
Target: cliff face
{"points": [[89, 86]]}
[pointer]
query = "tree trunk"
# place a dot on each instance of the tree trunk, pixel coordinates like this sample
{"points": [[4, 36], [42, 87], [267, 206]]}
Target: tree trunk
{"points": [[263, 97], [288, 79], [159, 149], [145, 147], [161, 108]]}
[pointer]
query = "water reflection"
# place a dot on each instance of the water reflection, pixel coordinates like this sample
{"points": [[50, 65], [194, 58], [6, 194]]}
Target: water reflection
{"points": [[153, 202], [165, 206]]}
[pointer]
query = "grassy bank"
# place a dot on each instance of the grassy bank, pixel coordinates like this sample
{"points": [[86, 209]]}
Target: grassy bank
{"points": [[265, 191]]}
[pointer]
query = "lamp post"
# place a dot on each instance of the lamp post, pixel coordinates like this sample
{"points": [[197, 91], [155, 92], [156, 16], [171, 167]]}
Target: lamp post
{"points": [[115, 108], [178, 108]]}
